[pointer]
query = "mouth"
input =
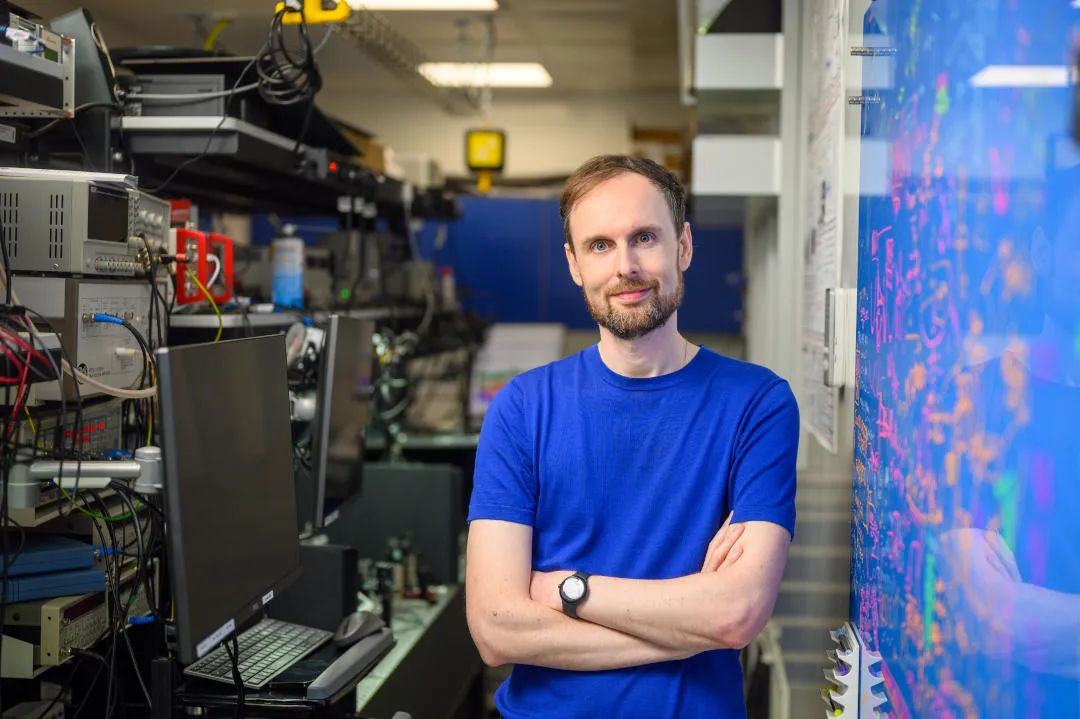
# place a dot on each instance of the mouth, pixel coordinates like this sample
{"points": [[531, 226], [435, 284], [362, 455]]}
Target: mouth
{"points": [[633, 295]]}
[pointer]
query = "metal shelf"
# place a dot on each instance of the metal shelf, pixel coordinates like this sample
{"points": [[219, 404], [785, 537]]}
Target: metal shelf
{"points": [[35, 87], [241, 166], [264, 320]]}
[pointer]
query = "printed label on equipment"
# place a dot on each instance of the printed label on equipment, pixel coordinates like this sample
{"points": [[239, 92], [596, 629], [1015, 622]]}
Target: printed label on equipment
{"points": [[214, 639], [7, 134], [268, 597]]}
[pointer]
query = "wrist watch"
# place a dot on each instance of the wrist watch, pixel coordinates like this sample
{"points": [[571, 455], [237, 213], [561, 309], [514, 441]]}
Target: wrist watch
{"points": [[573, 591]]}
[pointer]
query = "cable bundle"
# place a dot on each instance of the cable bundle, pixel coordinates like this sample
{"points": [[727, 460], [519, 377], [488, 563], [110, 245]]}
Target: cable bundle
{"points": [[25, 353], [287, 76]]}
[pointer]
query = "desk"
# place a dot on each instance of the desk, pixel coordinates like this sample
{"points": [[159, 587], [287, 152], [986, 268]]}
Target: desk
{"points": [[284, 318], [191, 328], [434, 672]]}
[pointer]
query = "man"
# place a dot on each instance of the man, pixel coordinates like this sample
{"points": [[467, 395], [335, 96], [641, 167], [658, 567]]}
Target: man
{"points": [[601, 478]]}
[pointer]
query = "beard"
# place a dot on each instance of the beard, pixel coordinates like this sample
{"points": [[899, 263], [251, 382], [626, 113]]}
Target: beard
{"points": [[637, 321]]}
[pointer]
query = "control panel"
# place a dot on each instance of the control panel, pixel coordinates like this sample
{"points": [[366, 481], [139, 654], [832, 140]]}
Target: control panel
{"points": [[152, 221], [121, 265], [108, 353], [98, 432], [61, 223], [56, 626]]}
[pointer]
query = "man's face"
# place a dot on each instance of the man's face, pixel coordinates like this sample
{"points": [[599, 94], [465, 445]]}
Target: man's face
{"points": [[627, 258]]}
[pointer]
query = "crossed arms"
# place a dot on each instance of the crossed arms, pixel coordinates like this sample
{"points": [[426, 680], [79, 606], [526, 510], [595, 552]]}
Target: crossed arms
{"points": [[515, 615]]}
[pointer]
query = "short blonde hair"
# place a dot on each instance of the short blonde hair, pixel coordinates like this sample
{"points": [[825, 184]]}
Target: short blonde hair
{"points": [[602, 168]]}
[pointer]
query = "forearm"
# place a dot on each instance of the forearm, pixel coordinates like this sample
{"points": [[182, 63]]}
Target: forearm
{"points": [[1044, 629], [527, 632], [696, 613]]}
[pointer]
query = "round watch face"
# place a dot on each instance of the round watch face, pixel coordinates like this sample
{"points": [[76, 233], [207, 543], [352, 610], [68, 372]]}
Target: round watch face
{"points": [[573, 589]]}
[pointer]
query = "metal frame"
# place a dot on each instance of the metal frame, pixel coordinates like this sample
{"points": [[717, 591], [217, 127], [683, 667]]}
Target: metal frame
{"points": [[35, 86]]}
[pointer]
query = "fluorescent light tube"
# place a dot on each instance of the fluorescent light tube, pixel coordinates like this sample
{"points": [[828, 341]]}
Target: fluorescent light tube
{"points": [[429, 5], [478, 74], [1023, 76]]}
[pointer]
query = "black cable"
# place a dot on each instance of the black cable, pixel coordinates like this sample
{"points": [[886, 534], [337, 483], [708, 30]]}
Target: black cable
{"points": [[155, 297], [7, 261], [111, 570], [304, 127], [68, 682], [225, 116], [284, 78], [104, 665], [148, 364], [61, 425], [53, 123], [149, 547], [209, 140], [142, 550], [141, 574], [234, 658]]}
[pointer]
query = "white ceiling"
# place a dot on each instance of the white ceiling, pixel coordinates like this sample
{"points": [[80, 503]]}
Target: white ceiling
{"points": [[590, 47]]}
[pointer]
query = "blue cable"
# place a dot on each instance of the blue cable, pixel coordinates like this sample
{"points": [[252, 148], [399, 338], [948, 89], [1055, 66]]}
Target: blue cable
{"points": [[35, 38], [108, 319], [140, 620]]}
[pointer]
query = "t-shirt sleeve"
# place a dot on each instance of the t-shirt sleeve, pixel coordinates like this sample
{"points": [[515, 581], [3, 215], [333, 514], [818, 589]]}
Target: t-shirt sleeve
{"points": [[763, 480], [505, 486]]}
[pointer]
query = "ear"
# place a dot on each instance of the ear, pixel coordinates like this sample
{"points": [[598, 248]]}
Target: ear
{"points": [[686, 247], [571, 261], [1040, 253]]}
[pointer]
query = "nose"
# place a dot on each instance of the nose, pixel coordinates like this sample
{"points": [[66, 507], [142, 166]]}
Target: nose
{"points": [[627, 261]]}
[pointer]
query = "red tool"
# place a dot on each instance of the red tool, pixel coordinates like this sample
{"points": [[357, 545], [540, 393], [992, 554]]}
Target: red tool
{"points": [[221, 289], [191, 243], [210, 258]]}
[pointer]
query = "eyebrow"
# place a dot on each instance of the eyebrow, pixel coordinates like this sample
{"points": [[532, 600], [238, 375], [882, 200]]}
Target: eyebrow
{"points": [[654, 229]]}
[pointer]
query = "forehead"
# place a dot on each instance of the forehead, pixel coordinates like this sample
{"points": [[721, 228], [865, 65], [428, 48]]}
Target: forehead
{"points": [[618, 206]]}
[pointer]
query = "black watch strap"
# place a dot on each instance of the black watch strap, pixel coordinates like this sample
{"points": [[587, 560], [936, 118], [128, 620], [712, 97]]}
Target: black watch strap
{"points": [[570, 608]]}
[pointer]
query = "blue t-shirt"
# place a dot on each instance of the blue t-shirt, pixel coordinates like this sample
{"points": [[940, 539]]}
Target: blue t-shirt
{"points": [[632, 477]]}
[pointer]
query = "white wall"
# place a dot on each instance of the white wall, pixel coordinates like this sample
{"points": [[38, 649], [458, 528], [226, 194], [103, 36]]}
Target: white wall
{"points": [[546, 135], [761, 250]]}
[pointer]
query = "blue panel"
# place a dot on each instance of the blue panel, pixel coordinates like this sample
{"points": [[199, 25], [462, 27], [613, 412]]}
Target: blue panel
{"points": [[965, 568], [713, 299], [496, 251]]}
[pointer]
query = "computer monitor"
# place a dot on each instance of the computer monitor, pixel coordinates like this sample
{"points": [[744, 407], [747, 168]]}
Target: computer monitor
{"points": [[341, 416], [229, 496]]}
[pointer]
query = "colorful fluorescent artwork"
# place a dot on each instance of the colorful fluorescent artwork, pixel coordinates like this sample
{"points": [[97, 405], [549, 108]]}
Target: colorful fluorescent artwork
{"points": [[966, 532]]}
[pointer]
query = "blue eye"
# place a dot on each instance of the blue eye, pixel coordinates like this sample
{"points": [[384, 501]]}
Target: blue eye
{"points": [[599, 245], [646, 237]]}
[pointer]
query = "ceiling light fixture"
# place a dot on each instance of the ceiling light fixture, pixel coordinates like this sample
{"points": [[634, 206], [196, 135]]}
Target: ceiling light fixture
{"points": [[1023, 76], [426, 5], [479, 74]]}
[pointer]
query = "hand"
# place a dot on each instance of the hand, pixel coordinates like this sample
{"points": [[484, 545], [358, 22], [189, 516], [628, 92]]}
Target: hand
{"points": [[723, 552], [545, 588], [981, 584]]}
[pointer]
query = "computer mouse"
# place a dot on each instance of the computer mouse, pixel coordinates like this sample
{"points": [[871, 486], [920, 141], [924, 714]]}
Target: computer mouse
{"points": [[356, 626]]}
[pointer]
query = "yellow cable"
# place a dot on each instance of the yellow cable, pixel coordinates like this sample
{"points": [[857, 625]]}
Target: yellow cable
{"points": [[153, 401], [31, 421], [211, 39], [210, 299]]}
